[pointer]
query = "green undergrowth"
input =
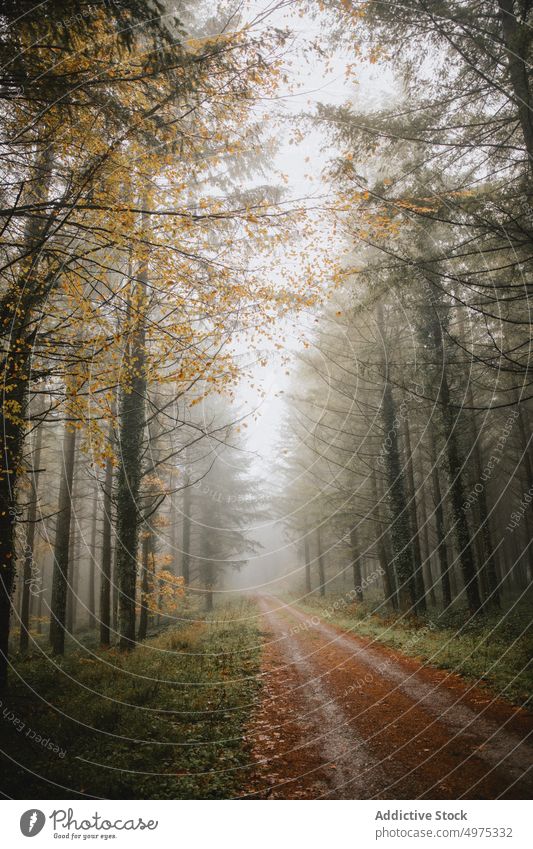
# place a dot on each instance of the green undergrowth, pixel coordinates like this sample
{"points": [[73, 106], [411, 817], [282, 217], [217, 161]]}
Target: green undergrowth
{"points": [[496, 649], [165, 721]]}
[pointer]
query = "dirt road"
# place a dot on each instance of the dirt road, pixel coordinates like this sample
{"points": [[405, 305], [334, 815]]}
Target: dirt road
{"points": [[342, 717]]}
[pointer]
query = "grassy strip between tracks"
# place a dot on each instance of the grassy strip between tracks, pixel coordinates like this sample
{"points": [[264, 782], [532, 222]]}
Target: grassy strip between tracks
{"points": [[496, 649], [165, 721]]}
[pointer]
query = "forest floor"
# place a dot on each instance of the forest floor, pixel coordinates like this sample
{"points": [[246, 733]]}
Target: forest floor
{"points": [[264, 699], [163, 722], [343, 716]]}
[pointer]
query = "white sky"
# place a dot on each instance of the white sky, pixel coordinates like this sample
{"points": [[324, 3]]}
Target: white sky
{"points": [[309, 85], [303, 163]]}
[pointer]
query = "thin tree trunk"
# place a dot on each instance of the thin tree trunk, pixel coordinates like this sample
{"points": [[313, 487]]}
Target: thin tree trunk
{"points": [[186, 535], [75, 579], [92, 560], [415, 533], [131, 430], [389, 578], [489, 574], [106, 564], [400, 531], [307, 556], [356, 564], [62, 543], [114, 591], [73, 568], [517, 39], [455, 461], [41, 585], [320, 560], [145, 584], [29, 563], [16, 308], [426, 557], [442, 547]]}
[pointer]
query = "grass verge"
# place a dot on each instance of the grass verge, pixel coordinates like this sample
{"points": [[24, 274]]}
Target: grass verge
{"points": [[165, 721], [496, 650]]}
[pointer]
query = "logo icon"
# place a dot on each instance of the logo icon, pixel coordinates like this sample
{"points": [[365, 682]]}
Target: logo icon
{"points": [[32, 822]]}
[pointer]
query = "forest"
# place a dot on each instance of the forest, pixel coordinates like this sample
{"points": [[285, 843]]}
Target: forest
{"points": [[266, 445]]}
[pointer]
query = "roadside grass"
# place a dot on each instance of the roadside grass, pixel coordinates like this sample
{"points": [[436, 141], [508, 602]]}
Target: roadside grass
{"points": [[496, 649], [165, 721]]}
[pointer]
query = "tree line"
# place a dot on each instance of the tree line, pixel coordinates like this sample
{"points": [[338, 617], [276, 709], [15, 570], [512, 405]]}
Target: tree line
{"points": [[410, 457], [135, 222]]}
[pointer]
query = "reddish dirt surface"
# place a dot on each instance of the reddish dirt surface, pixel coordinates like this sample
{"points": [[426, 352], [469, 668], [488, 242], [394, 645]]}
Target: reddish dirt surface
{"points": [[342, 717]]}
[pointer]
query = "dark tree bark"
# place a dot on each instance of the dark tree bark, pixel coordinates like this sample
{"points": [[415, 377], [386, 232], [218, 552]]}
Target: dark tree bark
{"points": [[130, 448], [385, 562], [517, 36], [73, 561], [489, 574], [413, 516], [427, 552], [29, 565], [442, 548], [17, 336], [106, 564], [456, 471], [114, 591], [145, 583], [92, 561], [128, 515], [62, 543], [400, 532], [72, 568]]}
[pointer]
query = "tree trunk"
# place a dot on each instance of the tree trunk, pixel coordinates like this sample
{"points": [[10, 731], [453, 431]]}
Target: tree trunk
{"points": [[442, 547], [356, 564], [389, 578], [92, 561], [427, 553], [73, 569], [413, 516], [321, 568], [307, 556], [186, 535], [16, 308], [400, 531], [130, 447], [114, 591], [145, 584], [462, 531], [29, 563], [455, 461], [105, 578], [517, 39], [62, 543]]}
